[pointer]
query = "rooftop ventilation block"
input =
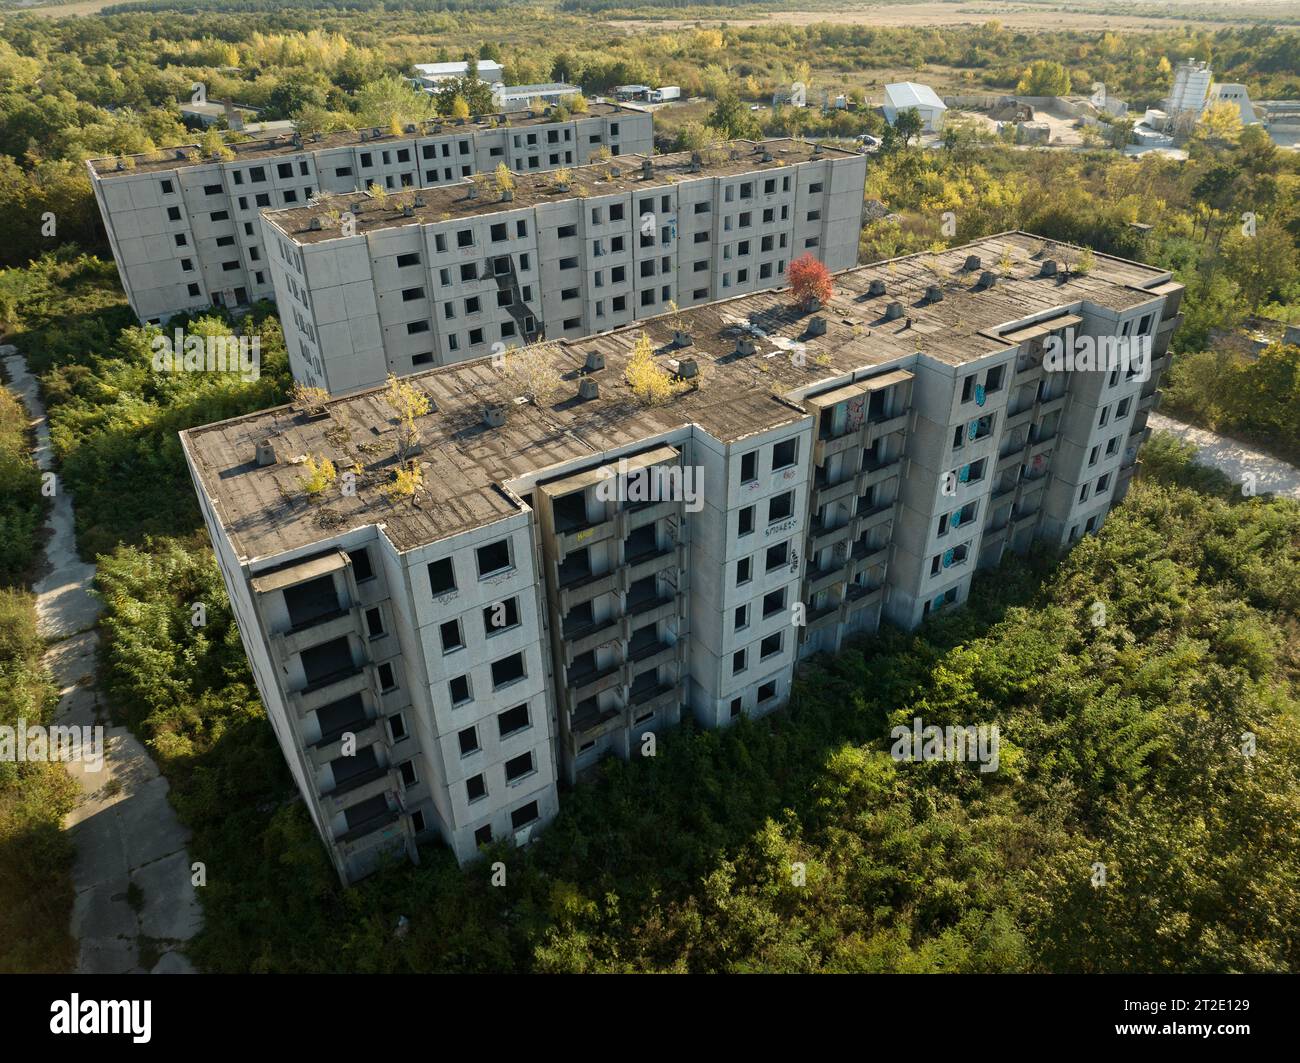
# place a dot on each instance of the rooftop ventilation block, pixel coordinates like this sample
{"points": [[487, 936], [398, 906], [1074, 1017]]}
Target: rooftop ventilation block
{"points": [[745, 345], [647, 170], [266, 453], [877, 287], [1048, 268], [973, 262], [817, 326], [315, 225], [688, 368], [595, 361], [588, 388], [893, 311], [682, 338], [934, 294], [696, 162], [494, 415], [988, 279]]}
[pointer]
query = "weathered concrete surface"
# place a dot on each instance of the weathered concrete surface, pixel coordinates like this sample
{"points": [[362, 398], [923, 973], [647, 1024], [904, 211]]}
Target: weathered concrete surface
{"points": [[1233, 458], [125, 831]]}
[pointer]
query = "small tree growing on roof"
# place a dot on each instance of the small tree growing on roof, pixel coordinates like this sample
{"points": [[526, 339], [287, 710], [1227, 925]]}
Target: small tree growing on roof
{"points": [[407, 479], [810, 281], [505, 180], [526, 372], [650, 383], [320, 474], [408, 402]]}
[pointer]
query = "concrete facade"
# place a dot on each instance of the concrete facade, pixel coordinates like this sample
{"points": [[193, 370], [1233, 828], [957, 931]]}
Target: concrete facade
{"points": [[453, 277], [185, 231], [819, 471]]}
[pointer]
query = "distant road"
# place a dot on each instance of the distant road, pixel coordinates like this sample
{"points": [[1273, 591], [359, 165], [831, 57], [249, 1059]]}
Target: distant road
{"points": [[1233, 458]]}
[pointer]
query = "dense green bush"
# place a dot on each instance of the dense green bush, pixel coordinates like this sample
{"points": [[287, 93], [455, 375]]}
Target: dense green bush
{"points": [[21, 504]]}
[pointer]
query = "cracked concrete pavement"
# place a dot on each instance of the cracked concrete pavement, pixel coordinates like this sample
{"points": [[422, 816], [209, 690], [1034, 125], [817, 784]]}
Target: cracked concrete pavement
{"points": [[1234, 459], [125, 832]]}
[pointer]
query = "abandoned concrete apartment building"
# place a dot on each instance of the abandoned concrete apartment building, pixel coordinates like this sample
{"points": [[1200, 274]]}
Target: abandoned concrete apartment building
{"points": [[514, 622], [185, 230], [398, 285]]}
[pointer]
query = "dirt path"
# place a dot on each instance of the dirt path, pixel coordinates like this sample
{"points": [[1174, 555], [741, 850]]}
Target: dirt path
{"points": [[1272, 475], [135, 905]]}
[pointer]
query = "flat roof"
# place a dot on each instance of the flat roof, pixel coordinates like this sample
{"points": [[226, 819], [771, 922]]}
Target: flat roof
{"points": [[622, 173], [167, 158], [467, 465]]}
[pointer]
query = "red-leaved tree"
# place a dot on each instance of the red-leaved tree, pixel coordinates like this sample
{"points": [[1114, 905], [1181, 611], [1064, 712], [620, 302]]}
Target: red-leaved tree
{"points": [[810, 281]]}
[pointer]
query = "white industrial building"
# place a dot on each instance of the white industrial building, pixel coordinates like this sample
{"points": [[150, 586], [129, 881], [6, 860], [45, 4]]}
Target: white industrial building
{"points": [[444, 275], [433, 664], [521, 97], [909, 96], [432, 76]]}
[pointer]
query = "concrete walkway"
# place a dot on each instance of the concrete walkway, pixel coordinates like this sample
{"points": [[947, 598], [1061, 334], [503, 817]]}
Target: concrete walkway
{"points": [[135, 905], [1234, 459]]}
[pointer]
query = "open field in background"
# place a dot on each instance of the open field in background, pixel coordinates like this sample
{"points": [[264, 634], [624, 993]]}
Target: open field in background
{"points": [[1152, 14], [1023, 16]]}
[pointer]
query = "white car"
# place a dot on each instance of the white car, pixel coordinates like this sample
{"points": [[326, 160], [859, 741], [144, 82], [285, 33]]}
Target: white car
{"points": [[868, 140]]}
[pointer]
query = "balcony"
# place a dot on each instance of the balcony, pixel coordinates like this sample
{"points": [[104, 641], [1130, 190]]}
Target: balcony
{"points": [[647, 609], [369, 827], [1009, 460], [324, 628], [579, 638], [652, 699], [651, 657], [1147, 403], [824, 495], [329, 747], [823, 539], [859, 598], [648, 564], [584, 685], [643, 513], [358, 788], [576, 535], [1018, 419], [1001, 498], [584, 586], [865, 562], [823, 580], [1043, 407], [826, 616], [889, 425], [877, 472], [873, 518], [1029, 372], [305, 701], [994, 536], [829, 447], [589, 722], [1040, 448]]}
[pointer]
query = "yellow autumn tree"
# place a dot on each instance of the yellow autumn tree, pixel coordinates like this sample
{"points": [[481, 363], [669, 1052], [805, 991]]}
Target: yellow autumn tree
{"points": [[459, 108], [650, 383], [409, 403], [505, 180], [320, 474], [407, 480]]}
